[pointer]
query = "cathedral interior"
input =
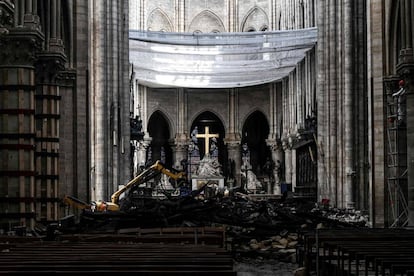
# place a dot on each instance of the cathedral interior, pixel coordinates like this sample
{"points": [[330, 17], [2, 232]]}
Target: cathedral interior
{"points": [[306, 97]]}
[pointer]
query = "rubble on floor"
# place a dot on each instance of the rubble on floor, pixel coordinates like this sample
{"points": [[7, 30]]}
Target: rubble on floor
{"points": [[268, 229]]}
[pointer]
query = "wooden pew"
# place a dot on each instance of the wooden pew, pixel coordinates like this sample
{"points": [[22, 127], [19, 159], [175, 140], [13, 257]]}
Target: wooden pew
{"points": [[87, 255]]}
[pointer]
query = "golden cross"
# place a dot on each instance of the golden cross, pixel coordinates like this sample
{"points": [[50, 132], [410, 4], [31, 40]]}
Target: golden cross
{"points": [[207, 135]]}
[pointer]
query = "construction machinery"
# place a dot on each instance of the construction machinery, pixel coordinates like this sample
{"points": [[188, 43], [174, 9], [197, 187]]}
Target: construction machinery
{"points": [[178, 177]]}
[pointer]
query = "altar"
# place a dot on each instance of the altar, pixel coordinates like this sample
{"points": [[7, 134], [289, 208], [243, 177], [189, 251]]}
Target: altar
{"points": [[198, 182], [208, 170]]}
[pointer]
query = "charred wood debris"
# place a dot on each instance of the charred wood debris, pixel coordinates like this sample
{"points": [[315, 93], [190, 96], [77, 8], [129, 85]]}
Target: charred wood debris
{"points": [[260, 228]]}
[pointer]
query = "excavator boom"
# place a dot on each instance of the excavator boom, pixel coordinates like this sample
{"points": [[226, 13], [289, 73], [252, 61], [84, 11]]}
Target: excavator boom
{"points": [[146, 175], [143, 177]]}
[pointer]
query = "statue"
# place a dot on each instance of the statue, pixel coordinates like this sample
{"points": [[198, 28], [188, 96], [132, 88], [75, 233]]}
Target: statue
{"points": [[164, 183], [209, 167], [252, 183], [213, 147]]}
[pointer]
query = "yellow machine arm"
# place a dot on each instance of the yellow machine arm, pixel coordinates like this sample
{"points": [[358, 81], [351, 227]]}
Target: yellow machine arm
{"points": [[77, 203], [143, 177], [147, 174]]}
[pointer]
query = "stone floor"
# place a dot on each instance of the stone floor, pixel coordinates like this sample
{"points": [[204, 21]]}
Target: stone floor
{"points": [[258, 267]]}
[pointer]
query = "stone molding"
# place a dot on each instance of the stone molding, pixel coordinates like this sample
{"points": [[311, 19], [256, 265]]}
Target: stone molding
{"points": [[49, 66], [20, 47]]}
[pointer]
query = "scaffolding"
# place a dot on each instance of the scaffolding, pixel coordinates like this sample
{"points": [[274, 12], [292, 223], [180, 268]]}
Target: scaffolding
{"points": [[397, 184]]}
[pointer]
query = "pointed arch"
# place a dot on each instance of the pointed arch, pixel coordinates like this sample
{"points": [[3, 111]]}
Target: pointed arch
{"points": [[215, 124], [254, 133], [158, 20], [159, 130], [206, 22], [255, 19]]}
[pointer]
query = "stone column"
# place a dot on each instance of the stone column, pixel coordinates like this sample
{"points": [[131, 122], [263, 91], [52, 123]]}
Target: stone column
{"points": [[286, 144], [181, 139], [109, 98], [180, 15], [233, 149], [180, 150], [50, 63], [17, 130], [233, 139], [406, 69], [141, 154], [67, 141], [277, 158], [348, 190], [232, 15], [47, 117]]}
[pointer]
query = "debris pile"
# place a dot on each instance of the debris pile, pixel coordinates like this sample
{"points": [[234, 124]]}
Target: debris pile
{"points": [[265, 228], [346, 216], [275, 245]]}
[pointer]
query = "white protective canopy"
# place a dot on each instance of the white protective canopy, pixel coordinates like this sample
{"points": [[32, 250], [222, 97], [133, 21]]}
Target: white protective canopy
{"points": [[214, 60]]}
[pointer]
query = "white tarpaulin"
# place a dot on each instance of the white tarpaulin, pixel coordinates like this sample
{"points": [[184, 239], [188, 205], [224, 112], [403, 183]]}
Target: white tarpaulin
{"points": [[221, 60]]}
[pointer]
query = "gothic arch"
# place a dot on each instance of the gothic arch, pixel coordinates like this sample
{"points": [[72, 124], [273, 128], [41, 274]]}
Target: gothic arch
{"points": [[215, 124], [159, 129], [158, 20], [168, 119], [255, 131], [198, 114], [249, 114], [206, 22], [256, 18]]}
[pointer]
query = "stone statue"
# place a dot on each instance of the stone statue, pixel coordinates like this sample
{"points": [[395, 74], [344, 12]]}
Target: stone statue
{"points": [[193, 146], [252, 183], [213, 147], [209, 167], [164, 183]]}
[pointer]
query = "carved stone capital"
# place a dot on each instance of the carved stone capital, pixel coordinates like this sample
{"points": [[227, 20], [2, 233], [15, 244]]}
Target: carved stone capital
{"points": [[67, 77], [287, 143], [232, 144], [20, 47], [391, 83], [405, 68], [180, 146], [49, 65], [6, 15], [274, 144], [406, 57]]}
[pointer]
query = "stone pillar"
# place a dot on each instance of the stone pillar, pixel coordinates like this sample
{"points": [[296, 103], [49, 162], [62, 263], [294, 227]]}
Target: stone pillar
{"points": [[50, 63], [17, 127], [181, 139], [277, 158], [287, 148], [406, 69], [109, 98], [180, 15], [233, 149], [233, 16], [47, 117], [348, 190], [180, 150], [67, 141], [140, 154], [233, 139]]}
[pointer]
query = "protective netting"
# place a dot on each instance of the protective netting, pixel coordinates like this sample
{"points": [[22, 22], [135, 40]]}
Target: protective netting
{"points": [[221, 60]]}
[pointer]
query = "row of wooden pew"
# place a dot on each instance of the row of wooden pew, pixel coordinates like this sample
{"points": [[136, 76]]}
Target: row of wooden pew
{"points": [[358, 252], [104, 254]]}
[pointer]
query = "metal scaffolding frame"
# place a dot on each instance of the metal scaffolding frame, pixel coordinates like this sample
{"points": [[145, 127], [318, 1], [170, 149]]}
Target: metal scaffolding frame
{"points": [[397, 183]]}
